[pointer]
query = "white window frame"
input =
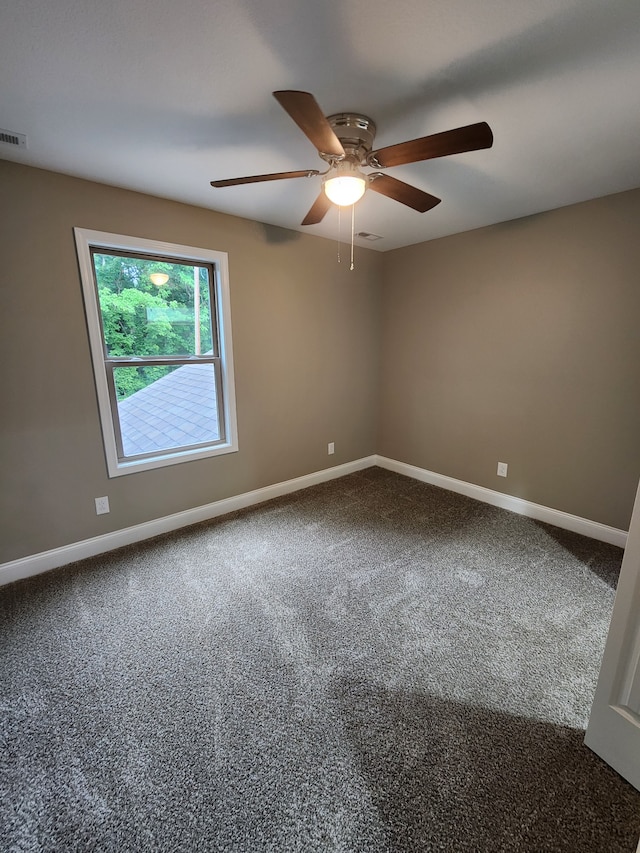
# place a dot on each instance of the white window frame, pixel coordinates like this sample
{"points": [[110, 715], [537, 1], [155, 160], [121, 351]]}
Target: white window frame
{"points": [[86, 240]]}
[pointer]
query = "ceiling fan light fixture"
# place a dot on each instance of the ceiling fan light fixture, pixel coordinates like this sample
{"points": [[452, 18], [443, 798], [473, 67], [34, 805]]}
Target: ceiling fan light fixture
{"points": [[344, 185]]}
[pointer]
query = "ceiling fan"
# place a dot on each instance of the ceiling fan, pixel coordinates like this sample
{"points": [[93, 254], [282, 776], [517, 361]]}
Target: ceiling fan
{"points": [[345, 141]]}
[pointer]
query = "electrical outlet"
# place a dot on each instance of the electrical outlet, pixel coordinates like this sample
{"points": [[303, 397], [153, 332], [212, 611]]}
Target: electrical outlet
{"points": [[102, 505], [502, 469], [331, 448]]}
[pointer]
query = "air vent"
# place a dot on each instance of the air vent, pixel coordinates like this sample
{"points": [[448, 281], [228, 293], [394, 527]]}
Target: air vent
{"points": [[367, 236], [8, 137]]}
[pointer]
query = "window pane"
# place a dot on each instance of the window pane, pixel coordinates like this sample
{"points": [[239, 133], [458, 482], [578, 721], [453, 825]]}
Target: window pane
{"points": [[176, 409], [153, 307]]}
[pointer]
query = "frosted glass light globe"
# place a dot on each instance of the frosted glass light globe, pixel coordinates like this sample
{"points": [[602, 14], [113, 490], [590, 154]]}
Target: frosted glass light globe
{"points": [[345, 190]]}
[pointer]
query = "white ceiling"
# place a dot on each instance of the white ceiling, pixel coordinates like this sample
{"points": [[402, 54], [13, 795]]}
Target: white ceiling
{"points": [[164, 96]]}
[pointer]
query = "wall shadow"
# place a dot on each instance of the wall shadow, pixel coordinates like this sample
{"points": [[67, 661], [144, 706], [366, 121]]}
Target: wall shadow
{"points": [[275, 235], [446, 776]]}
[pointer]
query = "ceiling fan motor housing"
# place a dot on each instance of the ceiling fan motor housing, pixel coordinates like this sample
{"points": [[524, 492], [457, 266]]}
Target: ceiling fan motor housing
{"points": [[356, 134]]}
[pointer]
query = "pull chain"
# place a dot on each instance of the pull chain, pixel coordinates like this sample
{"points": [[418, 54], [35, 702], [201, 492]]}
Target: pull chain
{"points": [[353, 220]]}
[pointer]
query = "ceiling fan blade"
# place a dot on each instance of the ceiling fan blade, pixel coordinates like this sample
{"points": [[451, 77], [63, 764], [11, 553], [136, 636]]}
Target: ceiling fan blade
{"points": [[469, 138], [404, 193], [319, 209], [307, 114], [254, 179]]}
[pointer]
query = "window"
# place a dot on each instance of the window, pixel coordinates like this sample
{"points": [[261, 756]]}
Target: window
{"points": [[159, 327]]}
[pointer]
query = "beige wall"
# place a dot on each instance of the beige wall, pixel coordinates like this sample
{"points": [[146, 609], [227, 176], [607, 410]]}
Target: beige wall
{"points": [[517, 343], [521, 343], [305, 334]]}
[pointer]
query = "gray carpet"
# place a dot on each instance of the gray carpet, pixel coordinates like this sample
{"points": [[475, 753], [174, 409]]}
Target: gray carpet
{"points": [[372, 664]]}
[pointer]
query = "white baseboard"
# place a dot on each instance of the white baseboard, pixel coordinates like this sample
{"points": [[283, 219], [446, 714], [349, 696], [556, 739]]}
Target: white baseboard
{"points": [[27, 566], [33, 565], [592, 529]]}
